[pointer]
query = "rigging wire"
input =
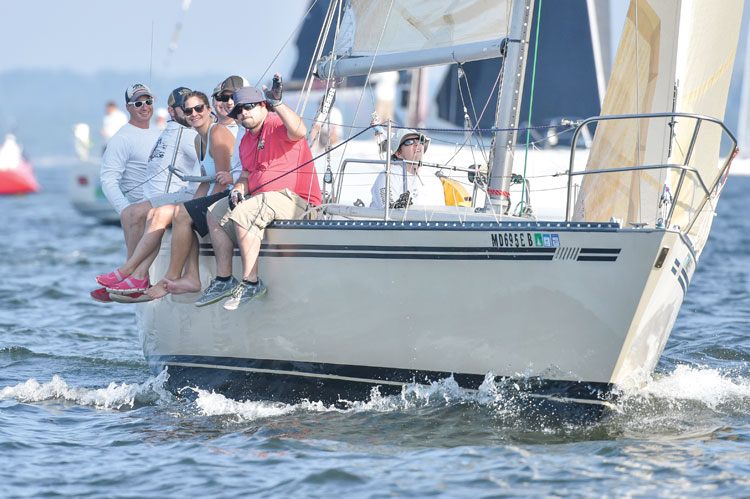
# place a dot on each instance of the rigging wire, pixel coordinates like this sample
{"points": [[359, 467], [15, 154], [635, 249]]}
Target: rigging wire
{"points": [[480, 142], [151, 56], [294, 31], [317, 54], [481, 115], [531, 98], [322, 38], [637, 157], [367, 80]]}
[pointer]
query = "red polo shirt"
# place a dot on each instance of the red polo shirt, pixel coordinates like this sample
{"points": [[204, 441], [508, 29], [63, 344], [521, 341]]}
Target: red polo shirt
{"points": [[276, 155]]}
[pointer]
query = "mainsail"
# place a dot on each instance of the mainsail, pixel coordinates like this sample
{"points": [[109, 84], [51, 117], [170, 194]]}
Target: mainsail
{"points": [[673, 56], [404, 34]]}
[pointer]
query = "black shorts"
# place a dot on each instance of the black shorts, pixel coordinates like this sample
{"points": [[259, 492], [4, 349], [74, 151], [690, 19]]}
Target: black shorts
{"points": [[197, 209]]}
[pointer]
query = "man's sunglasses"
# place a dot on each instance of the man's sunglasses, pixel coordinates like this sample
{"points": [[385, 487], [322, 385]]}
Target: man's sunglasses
{"points": [[198, 109], [411, 141], [139, 103], [248, 107], [223, 97]]}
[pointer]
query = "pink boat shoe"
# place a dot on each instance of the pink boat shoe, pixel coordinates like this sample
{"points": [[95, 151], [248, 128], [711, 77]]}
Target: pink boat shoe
{"points": [[101, 295], [110, 279], [132, 298], [129, 285]]}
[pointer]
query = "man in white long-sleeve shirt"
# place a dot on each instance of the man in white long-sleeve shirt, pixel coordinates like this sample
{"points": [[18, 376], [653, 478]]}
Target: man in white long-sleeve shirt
{"points": [[123, 171]]}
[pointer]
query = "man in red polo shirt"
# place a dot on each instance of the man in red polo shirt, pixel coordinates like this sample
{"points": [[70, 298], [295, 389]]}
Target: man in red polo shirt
{"points": [[278, 180]]}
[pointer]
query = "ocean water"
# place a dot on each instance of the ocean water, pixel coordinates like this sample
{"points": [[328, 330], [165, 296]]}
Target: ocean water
{"points": [[81, 415]]}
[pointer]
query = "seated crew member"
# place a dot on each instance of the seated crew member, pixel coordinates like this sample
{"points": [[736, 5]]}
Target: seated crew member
{"points": [[213, 146], [278, 181], [123, 171], [163, 191], [408, 145]]}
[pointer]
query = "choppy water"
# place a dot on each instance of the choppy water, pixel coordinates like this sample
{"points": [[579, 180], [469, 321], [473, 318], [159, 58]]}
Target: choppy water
{"points": [[80, 414]]}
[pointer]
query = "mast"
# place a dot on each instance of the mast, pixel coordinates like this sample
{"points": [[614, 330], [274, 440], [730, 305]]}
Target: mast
{"points": [[509, 107]]}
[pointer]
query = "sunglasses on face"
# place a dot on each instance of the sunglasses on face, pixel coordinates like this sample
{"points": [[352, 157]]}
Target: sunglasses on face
{"points": [[223, 98], [148, 102], [413, 140], [248, 107], [198, 109]]}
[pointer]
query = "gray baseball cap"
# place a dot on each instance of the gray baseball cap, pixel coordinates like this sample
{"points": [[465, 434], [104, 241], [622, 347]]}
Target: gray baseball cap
{"points": [[245, 95]]}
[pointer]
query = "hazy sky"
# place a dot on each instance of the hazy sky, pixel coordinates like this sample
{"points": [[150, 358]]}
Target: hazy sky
{"points": [[217, 36]]}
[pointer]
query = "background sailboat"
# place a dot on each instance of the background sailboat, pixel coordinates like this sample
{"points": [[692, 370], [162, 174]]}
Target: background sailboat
{"points": [[16, 172]]}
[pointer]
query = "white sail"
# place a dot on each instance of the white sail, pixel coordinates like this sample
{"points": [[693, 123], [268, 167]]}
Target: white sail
{"points": [[401, 34], [642, 81], [680, 49], [422, 24], [708, 44]]}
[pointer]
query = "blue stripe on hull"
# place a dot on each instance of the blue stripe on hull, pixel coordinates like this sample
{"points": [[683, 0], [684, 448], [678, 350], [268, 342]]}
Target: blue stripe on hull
{"points": [[292, 382]]}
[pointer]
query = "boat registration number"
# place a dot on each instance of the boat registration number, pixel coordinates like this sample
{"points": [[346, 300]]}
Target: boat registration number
{"points": [[524, 240]]}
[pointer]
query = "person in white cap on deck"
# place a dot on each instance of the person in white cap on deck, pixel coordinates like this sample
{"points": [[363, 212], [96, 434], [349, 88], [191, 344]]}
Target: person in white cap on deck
{"points": [[408, 145]]}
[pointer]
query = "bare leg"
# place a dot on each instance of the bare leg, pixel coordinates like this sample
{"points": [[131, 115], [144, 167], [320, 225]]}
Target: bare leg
{"points": [[148, 246], [182, 241], [133, 221], [223, 246], [249, 244], [190, 282]]}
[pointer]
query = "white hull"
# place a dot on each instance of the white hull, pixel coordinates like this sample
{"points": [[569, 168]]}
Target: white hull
{"points": [[386, 303], [86, 196]]}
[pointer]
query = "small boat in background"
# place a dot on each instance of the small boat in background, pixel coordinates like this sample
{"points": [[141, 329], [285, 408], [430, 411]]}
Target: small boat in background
{"points": [[85, 187], [16, 173]]}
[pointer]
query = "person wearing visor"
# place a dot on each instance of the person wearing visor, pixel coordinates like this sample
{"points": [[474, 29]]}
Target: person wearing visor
{"points": [[278, 181], [223, 102], [407, 145]]}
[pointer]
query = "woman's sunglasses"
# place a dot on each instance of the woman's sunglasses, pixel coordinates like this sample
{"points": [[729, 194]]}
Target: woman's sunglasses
{"points": [[139, 103], [198, 109]]}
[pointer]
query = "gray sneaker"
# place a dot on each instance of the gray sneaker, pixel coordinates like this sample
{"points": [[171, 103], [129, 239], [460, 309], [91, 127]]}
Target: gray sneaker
{"points": [[216, 291], [243, 293]]}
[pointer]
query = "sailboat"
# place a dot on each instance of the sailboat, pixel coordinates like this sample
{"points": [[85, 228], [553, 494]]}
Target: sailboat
{"points": [[84, 183], [16, 172], [366, 299]]}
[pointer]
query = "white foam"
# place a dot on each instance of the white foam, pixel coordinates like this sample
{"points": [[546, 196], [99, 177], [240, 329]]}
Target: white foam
{"points": [[114, 396], [413, 395], [215, 404], [711, 387]]}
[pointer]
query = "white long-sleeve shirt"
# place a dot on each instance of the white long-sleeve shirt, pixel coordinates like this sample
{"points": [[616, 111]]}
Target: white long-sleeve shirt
{"points": [[123, 171], [397, 187], [185, 161]]}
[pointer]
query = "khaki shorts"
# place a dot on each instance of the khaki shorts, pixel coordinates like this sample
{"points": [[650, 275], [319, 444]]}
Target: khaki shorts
{"points": [[256, 213]]}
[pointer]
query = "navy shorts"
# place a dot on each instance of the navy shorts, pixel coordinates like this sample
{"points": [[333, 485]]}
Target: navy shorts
{"points": [[197, 209]]}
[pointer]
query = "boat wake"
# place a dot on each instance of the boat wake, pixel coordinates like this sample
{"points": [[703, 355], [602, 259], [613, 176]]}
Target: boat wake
{"points": [[685, 393], [686, 402], [114, 396], [683, 399]]}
